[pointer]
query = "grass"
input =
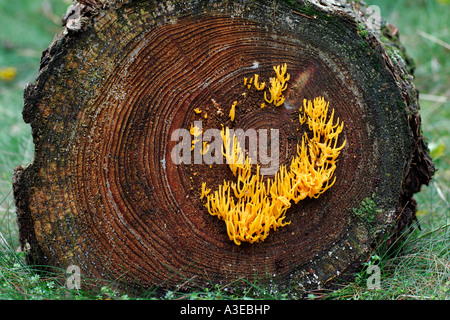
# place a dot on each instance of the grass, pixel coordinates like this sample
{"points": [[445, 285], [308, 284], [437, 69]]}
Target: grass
{"points": [[419, 271]]}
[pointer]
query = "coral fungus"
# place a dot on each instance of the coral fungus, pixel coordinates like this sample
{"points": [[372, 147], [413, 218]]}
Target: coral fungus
{"points": [[233, 111], [277, 86], [251, 206]]}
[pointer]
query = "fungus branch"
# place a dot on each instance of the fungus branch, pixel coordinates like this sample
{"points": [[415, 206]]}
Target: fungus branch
{"points": [[277, 86]]}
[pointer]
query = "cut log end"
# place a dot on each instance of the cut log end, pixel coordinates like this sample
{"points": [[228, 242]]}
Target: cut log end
{"points": [[104, 192]]}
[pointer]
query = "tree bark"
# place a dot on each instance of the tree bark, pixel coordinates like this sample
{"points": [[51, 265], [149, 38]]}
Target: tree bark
{"points": [[102, 192]]}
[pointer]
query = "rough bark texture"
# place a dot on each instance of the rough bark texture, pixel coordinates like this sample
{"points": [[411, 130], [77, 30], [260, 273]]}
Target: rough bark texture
{"points": [[103, 194]]}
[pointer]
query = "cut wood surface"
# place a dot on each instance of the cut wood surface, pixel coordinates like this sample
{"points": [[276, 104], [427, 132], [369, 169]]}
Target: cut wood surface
{"points": [[104, 193]]}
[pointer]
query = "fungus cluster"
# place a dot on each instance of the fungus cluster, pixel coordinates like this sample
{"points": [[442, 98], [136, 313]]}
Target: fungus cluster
{"points": [[251, 206], [277, 86]]}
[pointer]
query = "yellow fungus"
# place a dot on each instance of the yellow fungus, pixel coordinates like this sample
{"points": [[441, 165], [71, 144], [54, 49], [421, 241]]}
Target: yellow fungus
{"points": [[233, 111], [250, 206], [259, 86], [275, 90], [197, 110], [193, 143], [205, 147], [280, 74], [278, 85], [195, 131], [205, 191]]}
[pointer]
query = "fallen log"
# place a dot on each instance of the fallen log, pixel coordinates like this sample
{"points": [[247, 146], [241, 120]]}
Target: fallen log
{"points": [[106, 193]]}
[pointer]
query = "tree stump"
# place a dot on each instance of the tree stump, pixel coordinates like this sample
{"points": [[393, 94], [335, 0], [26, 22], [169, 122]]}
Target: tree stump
{"points": [[103, 192]]}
